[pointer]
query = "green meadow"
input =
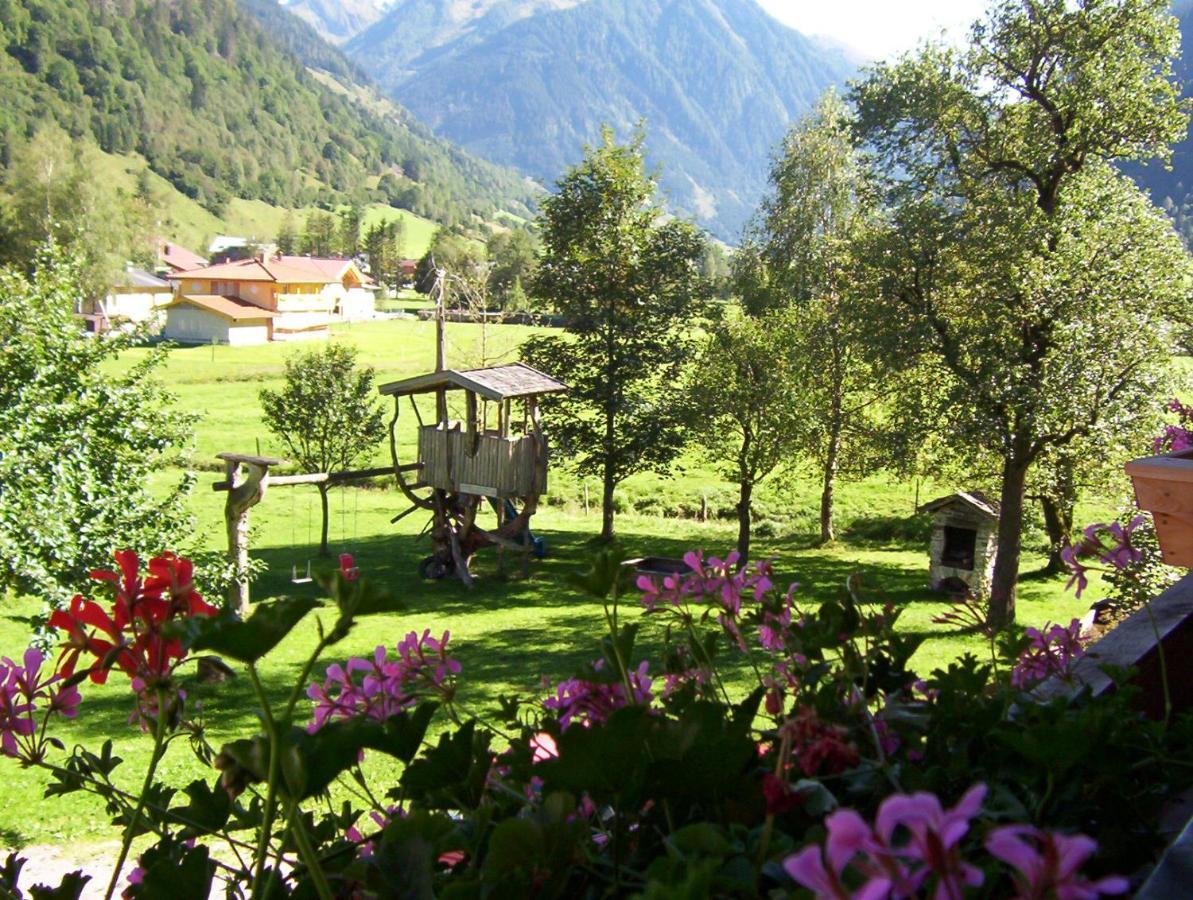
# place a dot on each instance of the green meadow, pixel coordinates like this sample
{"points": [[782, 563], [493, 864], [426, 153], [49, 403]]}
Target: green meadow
{"points": [[510, 634]]}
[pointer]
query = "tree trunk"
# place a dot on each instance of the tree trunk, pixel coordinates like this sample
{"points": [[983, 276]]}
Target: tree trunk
{"points": [[326, 517], [610, 481], [744, 509], [607, 486], [1058, 522], [1057, 506], [1010, 534], [827, 533]]}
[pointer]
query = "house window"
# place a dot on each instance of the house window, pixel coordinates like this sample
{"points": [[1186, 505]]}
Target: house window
{"points": [[960, 545]]}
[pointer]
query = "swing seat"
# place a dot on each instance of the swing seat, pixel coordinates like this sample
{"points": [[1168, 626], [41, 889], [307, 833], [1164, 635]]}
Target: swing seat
{"points": [[294, 576]]}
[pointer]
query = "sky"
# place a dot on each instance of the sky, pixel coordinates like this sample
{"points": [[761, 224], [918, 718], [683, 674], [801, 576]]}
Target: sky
{"points": [[877, 29]]}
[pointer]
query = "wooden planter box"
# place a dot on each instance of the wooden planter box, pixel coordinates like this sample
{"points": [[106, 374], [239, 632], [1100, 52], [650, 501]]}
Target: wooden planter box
{"points": [[1164, 487]]}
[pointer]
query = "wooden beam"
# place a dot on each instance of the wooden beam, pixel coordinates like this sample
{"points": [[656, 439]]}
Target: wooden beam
{"points": [[328, 477]]}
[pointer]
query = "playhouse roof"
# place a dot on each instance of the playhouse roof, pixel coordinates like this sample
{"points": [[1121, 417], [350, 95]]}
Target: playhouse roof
{"points": [[973, 499], [492, 383]]}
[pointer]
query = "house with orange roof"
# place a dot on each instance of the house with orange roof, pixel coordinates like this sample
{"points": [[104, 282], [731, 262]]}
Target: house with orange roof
{"points": [[173, 257], [266, 298]]}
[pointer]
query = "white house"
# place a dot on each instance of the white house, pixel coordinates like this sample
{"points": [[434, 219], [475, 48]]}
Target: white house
{"points": [[208, 318], [136, 298]]}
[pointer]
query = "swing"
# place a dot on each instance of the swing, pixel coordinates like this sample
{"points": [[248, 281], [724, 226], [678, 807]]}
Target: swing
{"points": [[295, 578]]}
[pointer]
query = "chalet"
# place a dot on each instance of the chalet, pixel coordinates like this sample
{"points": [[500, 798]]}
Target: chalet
{"points": [[172, 257], [266, 298], [137, 297]]}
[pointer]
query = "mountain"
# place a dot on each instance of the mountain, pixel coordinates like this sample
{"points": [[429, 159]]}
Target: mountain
{"points": [[528, 82], [337, 20], [425, 29], [311, 46], [220, 108], [1172, 187]]}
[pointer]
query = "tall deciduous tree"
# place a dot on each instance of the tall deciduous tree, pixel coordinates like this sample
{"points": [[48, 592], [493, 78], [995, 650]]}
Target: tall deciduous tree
{"points": [[326, 413], [80, 440], [628, 284], [48, 193], [748, 385], [513, 256], [1026, 269], [801, 251]]}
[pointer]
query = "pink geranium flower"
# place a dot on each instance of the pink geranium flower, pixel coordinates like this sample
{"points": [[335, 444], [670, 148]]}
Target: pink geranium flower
{"points": [[1047, 863]]}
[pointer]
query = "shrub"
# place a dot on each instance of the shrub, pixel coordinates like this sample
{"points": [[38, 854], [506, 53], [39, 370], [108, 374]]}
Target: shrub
{"points": [[649, 775]]}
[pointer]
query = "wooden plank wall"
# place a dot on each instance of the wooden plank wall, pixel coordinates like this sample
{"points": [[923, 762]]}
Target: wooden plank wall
{"points": [[500, 466]]}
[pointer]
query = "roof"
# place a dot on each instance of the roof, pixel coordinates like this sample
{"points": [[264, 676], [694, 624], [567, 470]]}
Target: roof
{"points": [[222, 242], [492, 383], [133, 277], [228, 307], [277, 268], [973, 499], [178, 258]]}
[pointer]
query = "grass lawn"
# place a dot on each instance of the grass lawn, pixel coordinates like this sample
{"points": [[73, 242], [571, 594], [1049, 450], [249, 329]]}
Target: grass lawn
{"points": [[508, 634]]}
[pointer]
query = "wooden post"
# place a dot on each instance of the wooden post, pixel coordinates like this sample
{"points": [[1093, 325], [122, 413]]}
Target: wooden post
{"points": [[440, 340], [471, 425], [248, 477]]}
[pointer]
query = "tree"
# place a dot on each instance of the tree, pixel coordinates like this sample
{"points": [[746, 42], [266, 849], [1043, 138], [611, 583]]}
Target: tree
{"points": [[320, 236], [383, 246], [287, 240], [513, 256], [801, 251], [81, 440], [628, 285], [747, 384], [1020, 264], [349, 239], [326, 413], [48, 193], [451, 251]]}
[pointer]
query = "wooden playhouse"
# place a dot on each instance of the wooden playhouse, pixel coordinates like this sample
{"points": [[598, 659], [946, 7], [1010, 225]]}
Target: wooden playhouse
{"points": [[494, 459]]}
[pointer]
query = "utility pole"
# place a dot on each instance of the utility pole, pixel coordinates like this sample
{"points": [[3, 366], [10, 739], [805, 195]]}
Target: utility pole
{"points": [[440, 340]]}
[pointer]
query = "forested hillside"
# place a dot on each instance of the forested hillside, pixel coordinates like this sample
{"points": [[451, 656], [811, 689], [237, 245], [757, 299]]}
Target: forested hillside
{"points": [[219, 109], [527, 83]]}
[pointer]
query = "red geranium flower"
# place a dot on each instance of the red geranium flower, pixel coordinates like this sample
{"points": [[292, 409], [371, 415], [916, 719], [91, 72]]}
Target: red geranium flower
{"points": [[132, 636]]}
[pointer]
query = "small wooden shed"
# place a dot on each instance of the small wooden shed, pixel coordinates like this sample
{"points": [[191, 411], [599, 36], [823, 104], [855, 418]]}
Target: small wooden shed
{"points": [[964, 542]]}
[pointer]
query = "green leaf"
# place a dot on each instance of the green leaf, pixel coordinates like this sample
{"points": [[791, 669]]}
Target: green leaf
{"points": [[600, 577], [401, 736], [452, 774], [69, 888], [175, 871], [516, 844], [207, 811], [702, 838], [250, 639]]}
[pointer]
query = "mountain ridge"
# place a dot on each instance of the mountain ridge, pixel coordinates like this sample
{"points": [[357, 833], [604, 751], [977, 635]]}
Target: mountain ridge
{"points": [[716, 83]]}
